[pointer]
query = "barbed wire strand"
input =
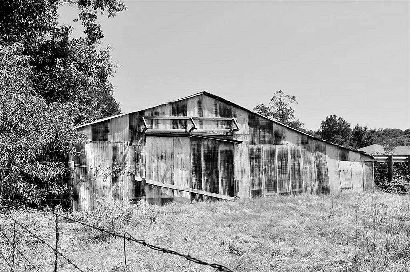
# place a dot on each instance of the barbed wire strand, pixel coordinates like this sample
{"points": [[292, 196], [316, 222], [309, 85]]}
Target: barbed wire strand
{"points": [[219, 267], [5, 259], [44, 242], [3, 233]]}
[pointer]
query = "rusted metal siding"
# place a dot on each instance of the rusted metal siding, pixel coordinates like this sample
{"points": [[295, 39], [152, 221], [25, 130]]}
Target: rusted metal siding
{"points": [[368, 169], [308, 171], [99, 163], [189, 163], [119, 129], [283, 168], [211, 169], [255, 161], [301, 164], [227, 184], [196, 161], [160, 159], [269, 169], [167, 162], [182, 162], [260, 130], [296, 170], [113, 130], [104, 173]]}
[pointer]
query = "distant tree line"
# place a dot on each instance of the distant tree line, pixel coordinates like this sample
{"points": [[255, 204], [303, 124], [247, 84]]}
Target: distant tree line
{"points": [[337, 130], [333, 129], [49, 82]]}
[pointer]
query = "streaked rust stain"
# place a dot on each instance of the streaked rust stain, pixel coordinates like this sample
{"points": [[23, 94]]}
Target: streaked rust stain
{"points": [[127, 157]]}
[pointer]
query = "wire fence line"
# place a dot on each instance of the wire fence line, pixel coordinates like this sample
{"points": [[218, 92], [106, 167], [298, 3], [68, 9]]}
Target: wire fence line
{"points": [[7, 239], [57, 253], [219, 267], [5, 260], [55, 249]]}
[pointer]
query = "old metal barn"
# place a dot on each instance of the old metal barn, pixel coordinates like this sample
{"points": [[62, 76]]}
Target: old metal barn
{"points": [[205, 147]]}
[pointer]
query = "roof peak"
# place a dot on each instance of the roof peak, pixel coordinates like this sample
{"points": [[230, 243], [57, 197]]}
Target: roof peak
{"points": [[208, 93]]}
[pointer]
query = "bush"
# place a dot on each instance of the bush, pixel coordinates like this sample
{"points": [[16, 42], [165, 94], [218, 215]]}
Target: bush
{"points": [[401, 178]]}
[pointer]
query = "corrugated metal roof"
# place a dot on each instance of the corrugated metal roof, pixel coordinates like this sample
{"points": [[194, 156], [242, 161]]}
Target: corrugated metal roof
{"points": [[122, 114], [401, 150], [232, 104], [373, 149]]}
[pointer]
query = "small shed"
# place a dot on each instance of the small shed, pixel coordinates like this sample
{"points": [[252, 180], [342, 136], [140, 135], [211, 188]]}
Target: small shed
{"points": [[205, 147], [402, 150]]}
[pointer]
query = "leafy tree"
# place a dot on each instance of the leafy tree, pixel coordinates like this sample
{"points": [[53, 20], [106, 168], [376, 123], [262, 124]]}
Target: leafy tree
{"points": [[35, 136], [390, 138], [360, 137], [49, 82], [335, 130], [280, 107], [64, 69]]}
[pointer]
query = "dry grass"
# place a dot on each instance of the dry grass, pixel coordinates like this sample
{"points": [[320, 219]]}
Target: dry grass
{"points": [[348, 232]]}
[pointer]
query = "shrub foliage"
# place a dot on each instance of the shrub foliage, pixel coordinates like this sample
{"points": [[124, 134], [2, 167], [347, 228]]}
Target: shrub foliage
{"points": [[49, 82]]}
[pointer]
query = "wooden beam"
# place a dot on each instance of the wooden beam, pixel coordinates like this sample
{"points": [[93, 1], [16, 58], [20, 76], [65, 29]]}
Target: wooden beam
{"points": [[184, 132], [189, 117], [215, 138], [396, 158], [408, 162], [201, 192], [171, 132]]}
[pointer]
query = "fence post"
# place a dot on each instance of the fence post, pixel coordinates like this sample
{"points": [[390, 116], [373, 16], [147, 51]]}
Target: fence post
{"points": [[125, 253], [408, 163], [14, 246], [390, 168], [113, 227], [56, 250]]}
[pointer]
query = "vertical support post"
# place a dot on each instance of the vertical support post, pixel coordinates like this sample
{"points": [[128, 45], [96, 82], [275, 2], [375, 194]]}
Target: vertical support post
{"points": [[125, 253], [56, 251], [408, 163], [71, 183], [301, 172], [113, 227], [1, 184], [390, 167], [14, 246], [220, 187], [262, 172], [373, 183], [276, 168], [355, 236], [289, 169], [203, 186]]}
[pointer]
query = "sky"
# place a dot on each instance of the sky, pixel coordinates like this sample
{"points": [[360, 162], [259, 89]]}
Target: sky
{"points": [[349, 58]]}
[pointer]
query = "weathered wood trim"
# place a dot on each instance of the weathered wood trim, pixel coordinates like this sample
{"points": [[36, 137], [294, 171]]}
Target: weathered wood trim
{"points": [[166, 132], [174, 132], [215, 138], [196, 191], [395, 158], [190, 117]]}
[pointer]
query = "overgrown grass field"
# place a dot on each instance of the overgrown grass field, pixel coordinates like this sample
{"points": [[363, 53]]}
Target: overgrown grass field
{"points": [[347, 232]]}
